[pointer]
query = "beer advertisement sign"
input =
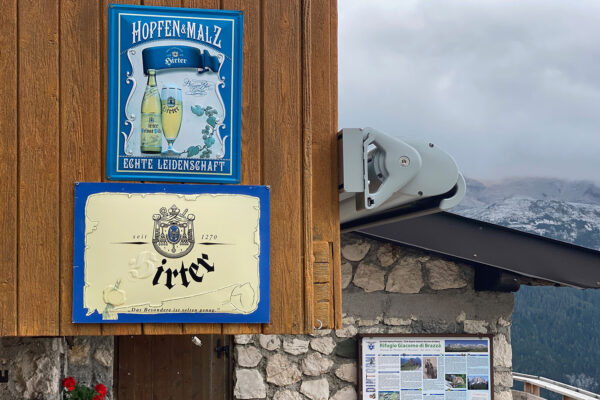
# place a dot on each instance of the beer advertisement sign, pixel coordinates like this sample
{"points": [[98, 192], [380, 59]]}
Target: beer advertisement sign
{"points": [[171, 253], [174, 108]]}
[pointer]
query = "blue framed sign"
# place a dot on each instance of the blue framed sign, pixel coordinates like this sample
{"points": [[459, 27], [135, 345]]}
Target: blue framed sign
{"points": [[171, 253], [174, 94]]}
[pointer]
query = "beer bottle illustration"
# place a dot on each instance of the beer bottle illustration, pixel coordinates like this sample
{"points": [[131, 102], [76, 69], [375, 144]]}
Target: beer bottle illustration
{"points": [[151, 117]]}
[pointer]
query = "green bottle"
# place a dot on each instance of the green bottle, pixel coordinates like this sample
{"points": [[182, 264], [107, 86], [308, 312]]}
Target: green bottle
{"points": [[151, 117]]}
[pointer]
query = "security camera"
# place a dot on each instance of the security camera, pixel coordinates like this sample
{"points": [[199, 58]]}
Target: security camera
{"points": [[383, 178]]}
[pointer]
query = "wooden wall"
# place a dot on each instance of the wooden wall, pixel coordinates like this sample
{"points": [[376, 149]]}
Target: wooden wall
{"points": [[53, 70]]}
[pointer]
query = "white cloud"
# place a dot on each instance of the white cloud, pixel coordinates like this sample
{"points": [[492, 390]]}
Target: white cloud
{"points": [[507, 87]]}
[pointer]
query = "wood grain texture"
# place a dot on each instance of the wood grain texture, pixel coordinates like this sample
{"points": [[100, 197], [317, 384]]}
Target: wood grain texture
{"points": [[81, 135], [38, 274], [251, 112], [172, 367], [335, 227], [8, 169], [321, 272], [323, 286], [110, 329], [321, 49], [209, 4], [135, 367], [307, 133], [282, 169]]}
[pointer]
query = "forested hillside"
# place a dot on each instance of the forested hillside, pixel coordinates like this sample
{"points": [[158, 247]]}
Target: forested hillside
{"points": [[556, 334]]}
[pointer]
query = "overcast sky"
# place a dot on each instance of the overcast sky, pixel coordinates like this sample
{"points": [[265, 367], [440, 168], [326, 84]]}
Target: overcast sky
{"points": [[509, 88]]}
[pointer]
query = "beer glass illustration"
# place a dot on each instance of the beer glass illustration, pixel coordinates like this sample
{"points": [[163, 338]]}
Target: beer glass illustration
{"points": [[172, 112]]}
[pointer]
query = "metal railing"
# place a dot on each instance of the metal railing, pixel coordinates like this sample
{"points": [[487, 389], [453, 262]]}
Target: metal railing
{"points": [[532, 385]]}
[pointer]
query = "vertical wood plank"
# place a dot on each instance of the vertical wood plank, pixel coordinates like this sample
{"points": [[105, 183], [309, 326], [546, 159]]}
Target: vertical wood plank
{"points": [[110, 329], [282, 169], [209, 4], [187, 365], [124, 383], [307, 173], [39, 199], [203, 362], [221, 379], [144, 358], [251, 112], [81, 136], [167, 372], [8, 170], [325, 230], [333, 82]]}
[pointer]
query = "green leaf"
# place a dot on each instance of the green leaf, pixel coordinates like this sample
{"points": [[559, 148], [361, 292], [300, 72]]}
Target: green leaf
{"points": [[197, 109], [192, 151], [211, 121]]}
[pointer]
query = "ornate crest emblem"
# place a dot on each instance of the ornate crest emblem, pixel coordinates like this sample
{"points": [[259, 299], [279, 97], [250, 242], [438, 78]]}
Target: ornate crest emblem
{"points": [[175, 53], [173, 234]]}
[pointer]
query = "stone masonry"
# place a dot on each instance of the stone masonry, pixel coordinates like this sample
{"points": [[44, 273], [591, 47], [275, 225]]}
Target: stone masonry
{"points": [[36, 366], [386, 289]]}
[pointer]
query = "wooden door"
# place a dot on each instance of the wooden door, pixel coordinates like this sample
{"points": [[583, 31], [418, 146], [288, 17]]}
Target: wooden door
{"points": [[173, 367]]}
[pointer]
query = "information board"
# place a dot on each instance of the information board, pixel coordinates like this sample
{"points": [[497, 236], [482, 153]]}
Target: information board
{"points": [[171, 253], [174, 98], [426, 368]]}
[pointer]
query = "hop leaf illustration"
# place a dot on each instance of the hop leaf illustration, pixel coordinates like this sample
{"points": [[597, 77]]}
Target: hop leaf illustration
{"points": [[198, 110], [192, 151], [211, 121]]}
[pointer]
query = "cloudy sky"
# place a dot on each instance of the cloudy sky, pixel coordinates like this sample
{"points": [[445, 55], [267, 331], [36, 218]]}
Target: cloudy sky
{"points": [[509, 88]]}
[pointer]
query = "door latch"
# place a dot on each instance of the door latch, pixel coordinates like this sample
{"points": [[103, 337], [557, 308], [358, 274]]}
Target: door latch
{"points": [[222, 349]]}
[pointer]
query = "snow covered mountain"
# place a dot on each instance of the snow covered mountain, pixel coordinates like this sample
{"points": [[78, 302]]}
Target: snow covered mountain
{"points": [[562, 210]]}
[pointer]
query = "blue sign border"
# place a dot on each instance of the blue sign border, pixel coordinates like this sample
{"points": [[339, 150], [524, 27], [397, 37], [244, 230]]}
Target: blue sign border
{"points": [[112, 152], [84, 189]]}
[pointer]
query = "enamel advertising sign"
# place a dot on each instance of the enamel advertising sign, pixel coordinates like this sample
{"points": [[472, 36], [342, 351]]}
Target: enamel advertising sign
{"points": [[174, 108], [171, 253]]}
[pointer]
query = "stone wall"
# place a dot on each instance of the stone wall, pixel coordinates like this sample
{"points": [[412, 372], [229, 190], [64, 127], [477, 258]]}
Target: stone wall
{"points": [[387, 289], [37, 365]]}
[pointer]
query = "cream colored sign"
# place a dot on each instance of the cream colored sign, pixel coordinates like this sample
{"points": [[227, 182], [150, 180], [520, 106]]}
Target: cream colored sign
{"points": [[150, 253]]}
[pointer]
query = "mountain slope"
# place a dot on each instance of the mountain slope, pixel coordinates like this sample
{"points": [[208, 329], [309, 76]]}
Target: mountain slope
{"points": [[556, 331], [571, 222]]}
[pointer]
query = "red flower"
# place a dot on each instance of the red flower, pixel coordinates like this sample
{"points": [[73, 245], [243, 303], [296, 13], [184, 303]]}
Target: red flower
{"points": [[69, 383], [101, 389]]}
